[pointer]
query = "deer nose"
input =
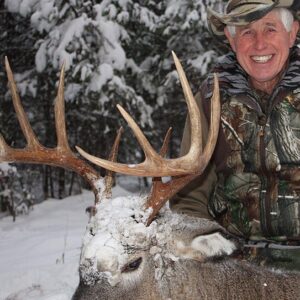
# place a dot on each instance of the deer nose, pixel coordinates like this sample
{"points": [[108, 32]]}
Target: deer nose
{"points": [[103, 258], [106, 260], [100, 263]]}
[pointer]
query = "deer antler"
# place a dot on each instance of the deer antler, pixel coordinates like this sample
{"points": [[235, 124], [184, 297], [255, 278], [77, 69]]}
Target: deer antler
{"points": [[34, 152], [194, 162], [184, 169], [161, 191], [109, 176]]}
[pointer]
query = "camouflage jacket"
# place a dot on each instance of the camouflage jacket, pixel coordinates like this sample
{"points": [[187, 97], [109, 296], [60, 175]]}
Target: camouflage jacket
{"points": [[255, 191]]}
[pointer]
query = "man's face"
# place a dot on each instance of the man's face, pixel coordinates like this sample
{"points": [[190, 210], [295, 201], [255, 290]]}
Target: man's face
{"points": [[262, 47]]}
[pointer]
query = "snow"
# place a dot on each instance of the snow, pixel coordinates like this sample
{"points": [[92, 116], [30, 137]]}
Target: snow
{"points": [[71, 91], [202, 62], [26, 84], [104, 74], [21, 6], [69, 32], [6, 168], [40, 252]]}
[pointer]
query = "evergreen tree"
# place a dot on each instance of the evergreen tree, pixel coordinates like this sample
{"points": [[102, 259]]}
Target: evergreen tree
{"points": [[114, 52]]}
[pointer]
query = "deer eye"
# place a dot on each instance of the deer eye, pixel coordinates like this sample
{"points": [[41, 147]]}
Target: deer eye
{"points": [[132, 266]]}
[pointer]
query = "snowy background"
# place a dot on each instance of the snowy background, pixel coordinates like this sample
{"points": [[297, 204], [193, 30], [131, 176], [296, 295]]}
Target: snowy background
{"points": [[115, 52], [39, 252]]}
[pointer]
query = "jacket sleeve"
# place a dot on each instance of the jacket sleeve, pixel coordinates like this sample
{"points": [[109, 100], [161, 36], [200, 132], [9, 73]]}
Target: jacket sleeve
{"points": [[193, 198]]}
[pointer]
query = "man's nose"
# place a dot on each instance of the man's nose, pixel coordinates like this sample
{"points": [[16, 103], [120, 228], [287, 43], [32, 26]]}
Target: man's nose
{"points": [[260, 41]]}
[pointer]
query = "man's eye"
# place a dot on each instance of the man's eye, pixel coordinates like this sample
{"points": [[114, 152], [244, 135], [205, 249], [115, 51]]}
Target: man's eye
{"points": [[247, 32]]}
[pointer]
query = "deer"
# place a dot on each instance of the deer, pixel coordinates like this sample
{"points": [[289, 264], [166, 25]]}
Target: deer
{"points": [[139, 248]]}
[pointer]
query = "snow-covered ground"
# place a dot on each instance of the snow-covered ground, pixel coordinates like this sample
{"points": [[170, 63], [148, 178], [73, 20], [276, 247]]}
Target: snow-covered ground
{"points": [[39, 253]]}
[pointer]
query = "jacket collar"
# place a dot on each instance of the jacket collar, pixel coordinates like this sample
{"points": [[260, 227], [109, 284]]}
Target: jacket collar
{"points": [[233, 79]]}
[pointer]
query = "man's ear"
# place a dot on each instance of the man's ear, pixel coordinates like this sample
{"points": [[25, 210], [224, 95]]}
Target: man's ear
{"points": [[293, 33], [229, 38]]}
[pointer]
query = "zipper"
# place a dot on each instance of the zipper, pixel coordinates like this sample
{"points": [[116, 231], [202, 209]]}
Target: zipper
{"points": [[262, 152], [269, 181], [262, 148]]}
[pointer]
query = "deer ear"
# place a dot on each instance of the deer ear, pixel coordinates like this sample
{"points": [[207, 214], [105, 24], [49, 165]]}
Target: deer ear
{"points": [[205, 246]]}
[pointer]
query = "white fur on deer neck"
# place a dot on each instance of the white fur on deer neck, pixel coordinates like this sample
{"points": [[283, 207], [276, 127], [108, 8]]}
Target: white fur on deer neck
{"points": [[205, 246]]}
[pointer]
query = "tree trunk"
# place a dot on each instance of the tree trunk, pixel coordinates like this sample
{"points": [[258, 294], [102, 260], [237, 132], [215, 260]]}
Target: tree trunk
{"points": [[51, 183], [61, 183], [71, 183], [45, 182]]}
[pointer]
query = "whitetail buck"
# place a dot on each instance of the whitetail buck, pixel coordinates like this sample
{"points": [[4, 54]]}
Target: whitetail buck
{"points": [[138, 248]]}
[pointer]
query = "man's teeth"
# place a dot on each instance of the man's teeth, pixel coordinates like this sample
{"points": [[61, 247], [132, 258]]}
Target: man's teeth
{"points": [[261, 58]]}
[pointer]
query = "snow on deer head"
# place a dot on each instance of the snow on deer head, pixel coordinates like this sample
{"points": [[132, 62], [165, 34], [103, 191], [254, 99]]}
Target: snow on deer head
{"points": [[117, 240]]}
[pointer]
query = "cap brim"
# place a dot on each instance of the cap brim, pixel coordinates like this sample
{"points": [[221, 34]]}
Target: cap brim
{"points": [[245, 15]]}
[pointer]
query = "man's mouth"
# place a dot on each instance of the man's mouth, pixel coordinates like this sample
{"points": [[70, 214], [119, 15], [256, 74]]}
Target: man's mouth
{"points": [[261, 58]]}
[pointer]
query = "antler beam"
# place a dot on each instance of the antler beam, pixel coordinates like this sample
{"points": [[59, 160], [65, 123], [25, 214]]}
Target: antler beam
{"points": [[194, 162]]}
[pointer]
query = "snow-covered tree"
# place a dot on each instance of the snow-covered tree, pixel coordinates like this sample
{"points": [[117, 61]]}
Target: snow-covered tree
{"points": [[15, 198], [114, 52], [181, 28]]}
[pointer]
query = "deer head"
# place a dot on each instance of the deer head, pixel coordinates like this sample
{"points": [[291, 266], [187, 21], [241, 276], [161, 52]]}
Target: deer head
{"points": [[122, 258]]}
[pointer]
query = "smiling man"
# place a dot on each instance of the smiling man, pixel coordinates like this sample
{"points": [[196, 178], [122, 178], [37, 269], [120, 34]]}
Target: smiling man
{"points": [[262, 47], [252, 186]]}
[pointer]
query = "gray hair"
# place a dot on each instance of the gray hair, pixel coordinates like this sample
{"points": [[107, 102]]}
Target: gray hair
{"points": [[285, 15]]}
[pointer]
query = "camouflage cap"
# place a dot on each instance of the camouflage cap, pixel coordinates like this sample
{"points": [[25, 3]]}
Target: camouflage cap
{"points": [[242, 12]]}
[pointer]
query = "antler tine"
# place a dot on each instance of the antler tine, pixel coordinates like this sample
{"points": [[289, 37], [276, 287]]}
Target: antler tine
{"points": [[165, 145], [115, 148], [162, 152], [144, 143], [3, 146], [59, 109], [153, 201], [194, 114], [34, 152], [32, 141], [108, 179], [215, 113], [154, 165]]}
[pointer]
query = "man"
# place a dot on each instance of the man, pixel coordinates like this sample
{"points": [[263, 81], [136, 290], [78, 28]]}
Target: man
{"points": [[252, 186]]}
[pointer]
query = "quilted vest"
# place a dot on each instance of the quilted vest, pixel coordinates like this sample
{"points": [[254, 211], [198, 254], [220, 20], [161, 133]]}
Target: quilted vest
{"points": [[257, 194]]}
